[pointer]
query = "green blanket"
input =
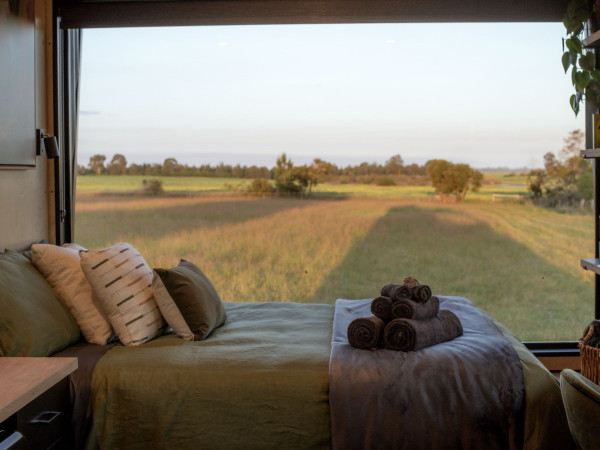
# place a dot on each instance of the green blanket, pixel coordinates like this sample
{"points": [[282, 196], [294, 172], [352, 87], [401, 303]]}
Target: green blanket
{"points": [[260, 381]]}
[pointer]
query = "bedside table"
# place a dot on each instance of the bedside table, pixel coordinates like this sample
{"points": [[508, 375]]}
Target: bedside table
{"points": [[34, 400]]}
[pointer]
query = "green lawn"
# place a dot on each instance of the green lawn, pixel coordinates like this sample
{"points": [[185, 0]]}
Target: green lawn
{"points": [[517, 178], [518, 262], [131, 183]]}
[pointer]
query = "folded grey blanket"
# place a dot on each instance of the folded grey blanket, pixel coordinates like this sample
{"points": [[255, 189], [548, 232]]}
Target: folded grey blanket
{"points": [[366, 332], [410, 335], [466, 393], [409, 309]]}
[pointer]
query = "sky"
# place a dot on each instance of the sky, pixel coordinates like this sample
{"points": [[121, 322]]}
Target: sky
{"points": [[490, 95]]}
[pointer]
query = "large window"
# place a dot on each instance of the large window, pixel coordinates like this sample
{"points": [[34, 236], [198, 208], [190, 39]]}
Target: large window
{"points": [[226, 102]]}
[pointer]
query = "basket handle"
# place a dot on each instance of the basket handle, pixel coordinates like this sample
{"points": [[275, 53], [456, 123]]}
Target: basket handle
{"points": [[587, 335]]}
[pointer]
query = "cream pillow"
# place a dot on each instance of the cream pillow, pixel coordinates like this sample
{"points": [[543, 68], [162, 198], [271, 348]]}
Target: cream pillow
{"points": [[122, 282], [62, 269]]}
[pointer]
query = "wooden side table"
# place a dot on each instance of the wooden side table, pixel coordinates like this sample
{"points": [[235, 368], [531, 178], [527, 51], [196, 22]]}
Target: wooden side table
{"points": [[34, 400]]}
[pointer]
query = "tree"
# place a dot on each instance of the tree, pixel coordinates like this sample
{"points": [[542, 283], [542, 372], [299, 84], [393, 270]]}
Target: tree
{"points": [[285, 176], [566, 171], [535, 180], [453, 179], [585, 184], [170, 167], [117, 165], [97, 164], [317, 170], [393, 166], [551, 165]]}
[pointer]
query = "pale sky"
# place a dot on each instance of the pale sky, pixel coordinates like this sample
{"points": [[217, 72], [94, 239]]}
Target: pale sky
{"points": [[486, 94]]}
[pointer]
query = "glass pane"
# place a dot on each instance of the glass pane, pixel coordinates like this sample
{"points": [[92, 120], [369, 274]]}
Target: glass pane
{"points": [[199, 113]]}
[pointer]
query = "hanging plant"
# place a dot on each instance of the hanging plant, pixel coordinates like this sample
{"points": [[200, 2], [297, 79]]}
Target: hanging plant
{"points": [[582, 61]]}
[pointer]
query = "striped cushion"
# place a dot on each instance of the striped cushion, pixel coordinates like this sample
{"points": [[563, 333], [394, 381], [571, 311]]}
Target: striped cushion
{"points": [[122, 282]]}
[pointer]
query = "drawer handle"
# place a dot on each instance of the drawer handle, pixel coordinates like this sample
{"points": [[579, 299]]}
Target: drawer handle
{"points": [[46, 417]]}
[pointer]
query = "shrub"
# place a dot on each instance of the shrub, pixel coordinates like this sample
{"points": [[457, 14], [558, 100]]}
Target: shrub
{"points": [[386, 181], [259, 186], [560, 197], [152, 187]]}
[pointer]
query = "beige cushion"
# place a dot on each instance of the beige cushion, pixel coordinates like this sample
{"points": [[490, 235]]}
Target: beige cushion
{"points": [[121, 280], [62, 269], [188, 300]]}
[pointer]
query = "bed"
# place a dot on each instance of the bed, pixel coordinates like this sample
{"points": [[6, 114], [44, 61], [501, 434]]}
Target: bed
{"points": [[261, 380]]}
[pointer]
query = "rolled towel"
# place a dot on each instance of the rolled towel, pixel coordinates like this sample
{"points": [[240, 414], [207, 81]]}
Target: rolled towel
{"points": [[422, 293], [385, 291], [381, 307], [409, 335], [366, 332], [411, 282], [409, 309], [400, 291]]}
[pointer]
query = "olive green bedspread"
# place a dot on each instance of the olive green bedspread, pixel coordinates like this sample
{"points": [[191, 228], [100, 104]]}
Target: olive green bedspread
{"points": [[258, 382]]}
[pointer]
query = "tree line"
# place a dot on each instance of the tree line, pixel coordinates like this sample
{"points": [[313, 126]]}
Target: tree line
{"points": [[98, 165], [565, 180], [450, 180]]}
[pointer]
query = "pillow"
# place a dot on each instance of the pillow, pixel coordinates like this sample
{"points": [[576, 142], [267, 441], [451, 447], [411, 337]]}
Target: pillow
{"points": [[33, 321], [188, 301], [62, 268], [122, 282]]}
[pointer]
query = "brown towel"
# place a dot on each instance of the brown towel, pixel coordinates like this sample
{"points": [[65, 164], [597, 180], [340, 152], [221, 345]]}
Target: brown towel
{"points": [[400, 291], [422, 293], [381, 307], [385, 291], [366, 332], [409, 309], [407, 334]]}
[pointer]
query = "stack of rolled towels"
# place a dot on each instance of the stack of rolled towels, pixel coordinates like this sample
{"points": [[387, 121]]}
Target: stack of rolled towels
{"points": [[406, 317]]}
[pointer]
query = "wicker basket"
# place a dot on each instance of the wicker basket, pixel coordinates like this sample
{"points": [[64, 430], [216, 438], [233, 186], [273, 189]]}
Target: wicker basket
{"points": [[590, 356]]}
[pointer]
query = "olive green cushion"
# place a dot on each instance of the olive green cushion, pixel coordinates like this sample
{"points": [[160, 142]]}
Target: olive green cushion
{"points": [[188, 300], [33, 321], [581, 398]]}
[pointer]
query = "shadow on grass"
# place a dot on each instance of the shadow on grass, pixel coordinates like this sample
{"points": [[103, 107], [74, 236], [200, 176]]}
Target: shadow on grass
{"points": [[106, 227], [457, 255]]}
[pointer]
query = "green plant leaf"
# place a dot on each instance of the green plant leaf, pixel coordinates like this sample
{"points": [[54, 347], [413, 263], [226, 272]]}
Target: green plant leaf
{"points": [[581, 81], [566, 60], [574, 103], [583, 12], [575, 45], [588, 61], [595, 74]]}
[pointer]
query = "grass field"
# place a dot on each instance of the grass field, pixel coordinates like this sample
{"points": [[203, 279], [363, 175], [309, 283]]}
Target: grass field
{"points": [[518, 262], [131, 183]]}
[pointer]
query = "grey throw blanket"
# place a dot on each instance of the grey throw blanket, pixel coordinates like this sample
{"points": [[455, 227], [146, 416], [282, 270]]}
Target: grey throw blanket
{"points": [[466, 393]]}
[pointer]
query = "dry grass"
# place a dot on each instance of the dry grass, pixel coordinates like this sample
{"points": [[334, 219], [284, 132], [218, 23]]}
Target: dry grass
{"points": [[519, 263]]}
